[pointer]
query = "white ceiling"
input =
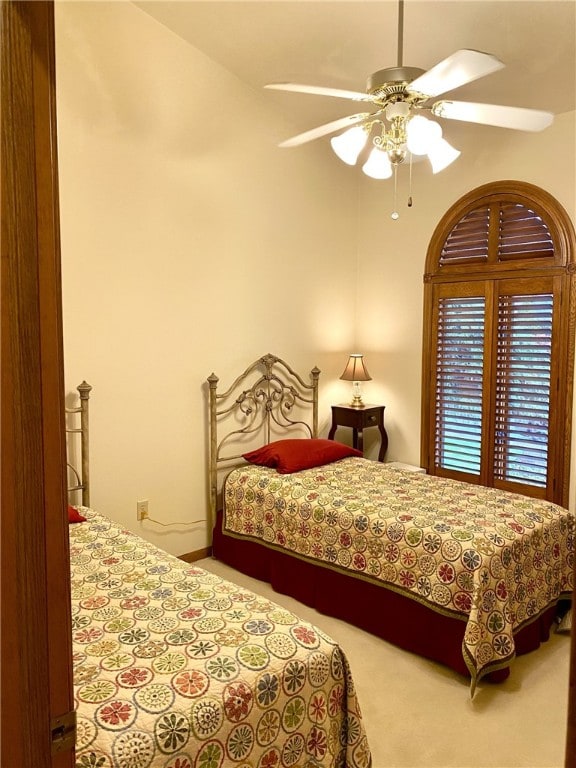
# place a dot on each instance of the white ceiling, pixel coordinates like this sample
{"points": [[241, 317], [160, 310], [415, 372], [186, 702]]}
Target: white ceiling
{"points": [[338, 44]]}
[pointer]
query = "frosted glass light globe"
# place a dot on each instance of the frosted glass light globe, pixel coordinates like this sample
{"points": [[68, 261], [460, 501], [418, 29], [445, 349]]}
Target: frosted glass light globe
{"points": [[349, 144], [441, 155], [378, 165], [422, 134]]}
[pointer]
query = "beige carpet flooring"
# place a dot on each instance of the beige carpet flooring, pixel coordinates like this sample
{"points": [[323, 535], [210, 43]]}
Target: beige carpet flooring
{"points": [[418, 713]]}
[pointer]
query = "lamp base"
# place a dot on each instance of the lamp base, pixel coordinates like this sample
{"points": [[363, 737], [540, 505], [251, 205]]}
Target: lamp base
{"points": [[357, 402]]}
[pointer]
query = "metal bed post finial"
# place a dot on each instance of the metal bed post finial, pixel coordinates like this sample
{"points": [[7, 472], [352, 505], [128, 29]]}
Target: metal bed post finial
{"points": [[213, 478], [269, 361], [84, 392]]}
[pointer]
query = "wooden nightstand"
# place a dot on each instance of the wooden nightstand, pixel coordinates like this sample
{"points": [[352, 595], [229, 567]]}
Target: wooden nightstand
{"points": [[359, 419]]}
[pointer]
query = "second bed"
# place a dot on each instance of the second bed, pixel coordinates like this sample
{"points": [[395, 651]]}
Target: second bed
{"points": [[462, 574]]}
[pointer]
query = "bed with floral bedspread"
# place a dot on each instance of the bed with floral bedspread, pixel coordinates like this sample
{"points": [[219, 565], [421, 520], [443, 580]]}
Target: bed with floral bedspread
{"points": [[492, 559], [175, 667]]}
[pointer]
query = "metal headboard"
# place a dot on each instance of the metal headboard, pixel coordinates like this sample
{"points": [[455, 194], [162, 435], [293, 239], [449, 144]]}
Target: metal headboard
{"points": [[82, 476], [262, 398]]}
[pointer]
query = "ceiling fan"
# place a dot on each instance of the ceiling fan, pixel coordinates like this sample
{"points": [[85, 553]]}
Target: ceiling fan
{"points": [[401, 97]]}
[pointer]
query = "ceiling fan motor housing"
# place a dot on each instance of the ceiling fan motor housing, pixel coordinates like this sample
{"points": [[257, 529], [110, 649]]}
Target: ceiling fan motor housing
{"points": [[390, 84]]}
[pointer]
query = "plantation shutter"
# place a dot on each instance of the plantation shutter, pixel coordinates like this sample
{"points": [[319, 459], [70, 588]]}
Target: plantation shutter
{"points": [[499, 335], [522, 233], [468, 241], [459, 383], [524, 360], [501, 366]]}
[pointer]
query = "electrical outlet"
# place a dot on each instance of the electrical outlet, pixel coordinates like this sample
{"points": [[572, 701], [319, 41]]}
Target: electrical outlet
{"points": [[142, 509]]}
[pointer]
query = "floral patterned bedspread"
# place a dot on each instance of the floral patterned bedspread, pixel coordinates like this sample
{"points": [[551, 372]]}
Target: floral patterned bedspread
{"points": [[493, 558], [175, 667]]}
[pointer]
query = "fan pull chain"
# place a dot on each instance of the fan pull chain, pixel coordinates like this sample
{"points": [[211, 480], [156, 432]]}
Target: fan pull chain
{"points": [[410, 184], [395, 215]]}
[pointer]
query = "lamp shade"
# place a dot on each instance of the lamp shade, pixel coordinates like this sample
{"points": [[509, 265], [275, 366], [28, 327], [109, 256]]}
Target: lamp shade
{"points": [[356, 370]]}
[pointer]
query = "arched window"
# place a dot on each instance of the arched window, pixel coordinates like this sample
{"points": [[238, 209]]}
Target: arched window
{"points": [[499, 309]]}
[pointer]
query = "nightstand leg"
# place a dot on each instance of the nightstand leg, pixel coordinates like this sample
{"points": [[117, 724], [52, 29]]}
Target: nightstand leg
{"points": [[383, 443]]}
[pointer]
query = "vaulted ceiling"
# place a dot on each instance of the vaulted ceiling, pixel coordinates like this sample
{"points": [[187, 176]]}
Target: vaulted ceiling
{"points": [[338, 44]]}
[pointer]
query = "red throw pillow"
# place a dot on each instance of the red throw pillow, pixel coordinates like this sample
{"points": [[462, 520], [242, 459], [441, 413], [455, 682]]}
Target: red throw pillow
{"points": [[286, 456], [74, 516]]}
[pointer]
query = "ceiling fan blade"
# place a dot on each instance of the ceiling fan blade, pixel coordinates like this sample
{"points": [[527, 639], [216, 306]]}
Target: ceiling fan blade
{"points": [[318, 90], [323, 130], [519, 118], [462, 67]]}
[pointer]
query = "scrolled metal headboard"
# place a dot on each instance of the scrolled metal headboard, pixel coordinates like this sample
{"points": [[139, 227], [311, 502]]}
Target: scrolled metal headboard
{"points": [[81, 476], [266, 396]]}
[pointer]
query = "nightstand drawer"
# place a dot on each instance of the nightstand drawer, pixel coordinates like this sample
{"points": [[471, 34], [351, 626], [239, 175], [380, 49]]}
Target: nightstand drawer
{"points": [[358, 418]]}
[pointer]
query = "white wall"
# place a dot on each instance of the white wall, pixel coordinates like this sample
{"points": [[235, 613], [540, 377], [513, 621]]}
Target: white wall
{"points": [[190, 245], [392, 256]]}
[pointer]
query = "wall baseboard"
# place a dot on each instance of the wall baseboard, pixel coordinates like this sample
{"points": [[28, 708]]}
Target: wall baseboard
{"points": [[199, 554]]}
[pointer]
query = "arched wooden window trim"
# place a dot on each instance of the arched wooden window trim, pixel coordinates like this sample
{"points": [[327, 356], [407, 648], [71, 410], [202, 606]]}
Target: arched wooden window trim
{"points": [[468, 274]]}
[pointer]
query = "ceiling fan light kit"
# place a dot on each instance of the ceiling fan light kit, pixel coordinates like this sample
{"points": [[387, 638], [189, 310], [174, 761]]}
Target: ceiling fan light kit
{"points": [[407, 134], [398, 128]]}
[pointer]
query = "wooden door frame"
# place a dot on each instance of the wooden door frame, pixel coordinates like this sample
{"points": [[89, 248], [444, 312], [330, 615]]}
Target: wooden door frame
{"points": [[570, 759], [36, 642]]}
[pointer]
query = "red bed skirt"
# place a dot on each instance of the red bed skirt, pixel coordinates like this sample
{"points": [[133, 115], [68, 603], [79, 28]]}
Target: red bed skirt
{"points": [[393, 617]]}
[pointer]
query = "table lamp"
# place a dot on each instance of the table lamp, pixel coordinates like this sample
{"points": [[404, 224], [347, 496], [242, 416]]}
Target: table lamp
{"points": [[356, 372]]}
